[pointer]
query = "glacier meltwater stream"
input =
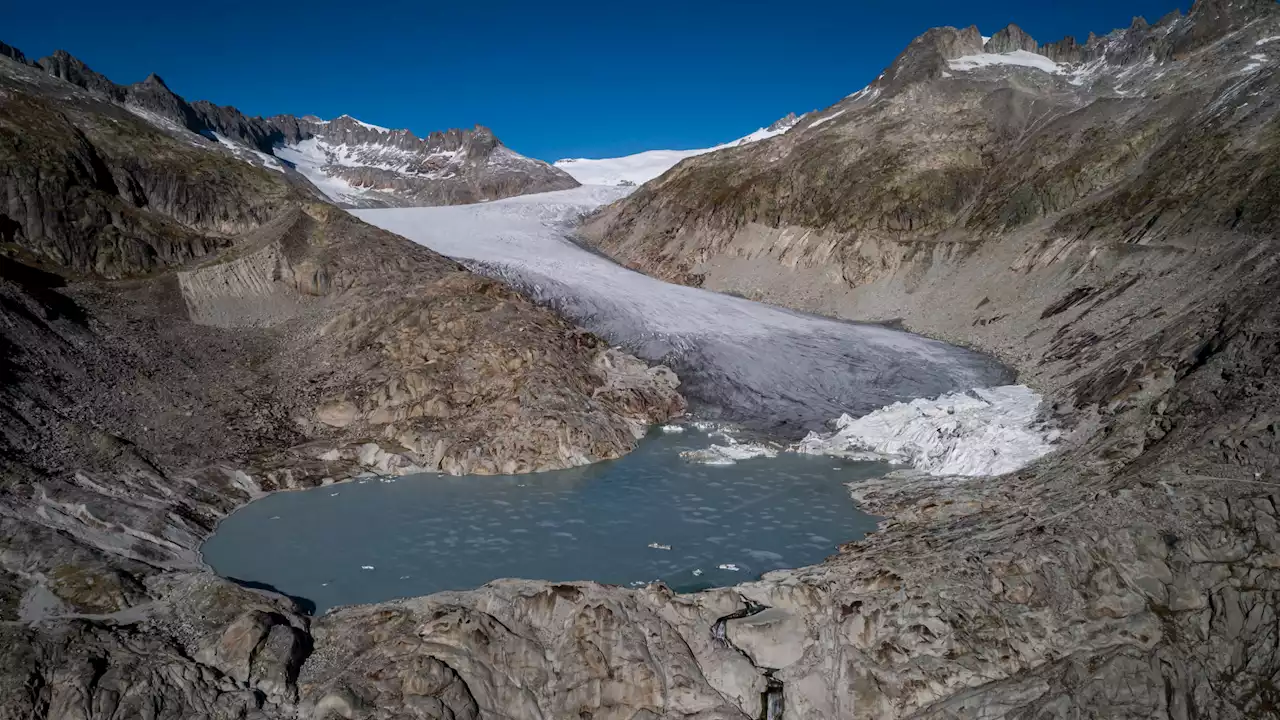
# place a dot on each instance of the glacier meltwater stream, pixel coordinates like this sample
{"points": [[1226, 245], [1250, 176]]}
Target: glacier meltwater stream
{"points": [[662, 512]]}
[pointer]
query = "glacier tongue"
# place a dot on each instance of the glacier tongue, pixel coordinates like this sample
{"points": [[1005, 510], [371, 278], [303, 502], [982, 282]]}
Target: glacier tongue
{"points": [[768, 368], [989, 431]]}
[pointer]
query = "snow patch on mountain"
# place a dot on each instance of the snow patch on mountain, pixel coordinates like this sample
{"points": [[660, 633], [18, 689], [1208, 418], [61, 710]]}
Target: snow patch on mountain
{"points": [[990, 431], [828, 118], [1019, 58], [310, 160], [249, 155], [642, 167]]}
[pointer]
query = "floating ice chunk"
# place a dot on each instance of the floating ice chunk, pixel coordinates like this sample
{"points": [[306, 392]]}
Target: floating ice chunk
{"points": [[404, 577], [672, 429], [333, 494], [728, 566], [989, 431], [366, 567], [728, 454], [659, 546], [275, 517], [697, 572]]}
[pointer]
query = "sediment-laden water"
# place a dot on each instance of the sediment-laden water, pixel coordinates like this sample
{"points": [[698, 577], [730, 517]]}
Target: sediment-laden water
{"points": [[652, 515]]}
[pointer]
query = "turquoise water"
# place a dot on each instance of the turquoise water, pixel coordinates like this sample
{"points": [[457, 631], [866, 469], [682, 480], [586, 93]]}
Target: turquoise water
{"points": [[369, 541]]}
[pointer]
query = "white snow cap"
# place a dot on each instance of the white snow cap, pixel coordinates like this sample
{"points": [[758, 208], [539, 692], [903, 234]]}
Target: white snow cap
{"points": [[989, 431]]}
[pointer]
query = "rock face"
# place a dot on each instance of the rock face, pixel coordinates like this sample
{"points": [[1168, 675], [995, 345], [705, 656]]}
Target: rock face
{"points": [[351, 163]]}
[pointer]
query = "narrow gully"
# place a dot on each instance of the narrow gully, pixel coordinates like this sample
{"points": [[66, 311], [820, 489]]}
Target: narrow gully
{"points": [[772, 700]]}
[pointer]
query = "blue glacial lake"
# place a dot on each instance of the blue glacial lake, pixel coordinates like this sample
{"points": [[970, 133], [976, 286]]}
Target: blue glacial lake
{"points": [[374, 540]]}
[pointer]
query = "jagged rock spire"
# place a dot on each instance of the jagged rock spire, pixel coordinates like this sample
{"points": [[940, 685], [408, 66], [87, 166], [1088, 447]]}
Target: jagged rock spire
{"points": [[1011, 38]]}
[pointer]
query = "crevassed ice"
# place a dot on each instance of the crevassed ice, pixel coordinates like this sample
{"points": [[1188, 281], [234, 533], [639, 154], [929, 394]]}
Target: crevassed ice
{"points": [[989, 431]]}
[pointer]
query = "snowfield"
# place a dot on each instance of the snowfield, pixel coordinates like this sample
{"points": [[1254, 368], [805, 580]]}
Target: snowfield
{"points": [[1018, 58], [765, 367], [310, 159], [643, 167]]}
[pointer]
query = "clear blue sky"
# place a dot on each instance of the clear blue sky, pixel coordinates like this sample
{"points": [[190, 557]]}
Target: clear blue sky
{"points": [[553, 79]]}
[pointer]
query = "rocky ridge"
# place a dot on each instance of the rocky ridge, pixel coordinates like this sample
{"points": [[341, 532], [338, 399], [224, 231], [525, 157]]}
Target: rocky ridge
{"points": [[352, 163]]}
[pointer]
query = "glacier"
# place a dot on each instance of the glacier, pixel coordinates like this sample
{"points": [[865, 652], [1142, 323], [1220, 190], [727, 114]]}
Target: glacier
{"points": [[763, 367]]}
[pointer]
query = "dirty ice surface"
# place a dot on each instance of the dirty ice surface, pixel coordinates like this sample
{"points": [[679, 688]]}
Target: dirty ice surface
{"points": [[767, 367], [652, 515]]}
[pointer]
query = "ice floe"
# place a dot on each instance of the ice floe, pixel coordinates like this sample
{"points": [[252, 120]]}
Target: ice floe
{"points": [[729, 454]]}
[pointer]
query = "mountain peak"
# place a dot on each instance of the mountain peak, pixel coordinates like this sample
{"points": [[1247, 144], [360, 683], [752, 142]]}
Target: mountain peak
{"points": [[349, 120], [925, 58], [1010, 39], [784, 123]]}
